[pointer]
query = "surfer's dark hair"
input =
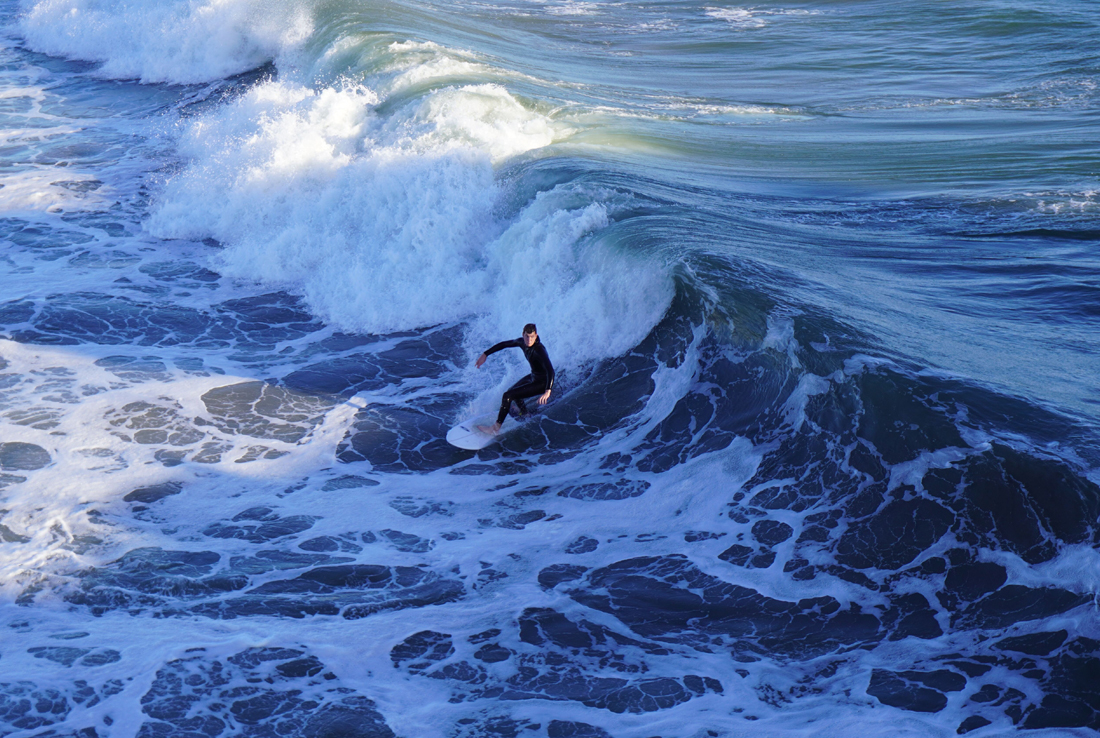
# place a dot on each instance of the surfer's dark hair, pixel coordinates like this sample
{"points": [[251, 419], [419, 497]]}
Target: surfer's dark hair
{"points": [[530, 328]]}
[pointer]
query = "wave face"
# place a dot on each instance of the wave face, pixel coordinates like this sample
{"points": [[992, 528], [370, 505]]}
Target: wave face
{"points": [[820, 287]]}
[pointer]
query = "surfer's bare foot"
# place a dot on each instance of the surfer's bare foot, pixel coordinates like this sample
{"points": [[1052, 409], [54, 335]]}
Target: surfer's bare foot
{"points": [[490, 430]]}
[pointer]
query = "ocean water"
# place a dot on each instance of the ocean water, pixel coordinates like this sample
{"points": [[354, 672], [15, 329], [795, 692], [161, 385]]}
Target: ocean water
{"points": [[821, 282]]}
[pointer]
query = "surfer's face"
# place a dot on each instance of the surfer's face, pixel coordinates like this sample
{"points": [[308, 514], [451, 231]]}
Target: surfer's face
{"points": [[529, 339]]}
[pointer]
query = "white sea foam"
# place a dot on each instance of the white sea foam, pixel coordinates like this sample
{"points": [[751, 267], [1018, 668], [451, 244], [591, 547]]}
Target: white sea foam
{"points": [[176, 41], [48, 189], [415, 63], [1076, 568], [390, 223], [572, 7], [1066, 203], [740, 18], [750, 18]]}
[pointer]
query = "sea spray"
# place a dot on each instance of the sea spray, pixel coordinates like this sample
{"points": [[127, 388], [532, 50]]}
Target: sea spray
{"points": [[392, 223]]}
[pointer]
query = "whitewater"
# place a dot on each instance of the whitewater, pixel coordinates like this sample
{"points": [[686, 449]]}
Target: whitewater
{"points": [[820, 281]]}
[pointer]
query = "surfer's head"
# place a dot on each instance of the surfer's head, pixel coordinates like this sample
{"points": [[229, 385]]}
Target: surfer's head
{"points": [[530, 334]]}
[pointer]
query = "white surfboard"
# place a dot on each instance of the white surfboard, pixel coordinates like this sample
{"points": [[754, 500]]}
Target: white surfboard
{"points": [[466, 435]]}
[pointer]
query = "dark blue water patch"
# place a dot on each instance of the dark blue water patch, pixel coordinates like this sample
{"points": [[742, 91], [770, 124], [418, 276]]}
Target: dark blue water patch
{"points": [[101, 658], [262, 410], [574, 729], [403, 439], [19, 456], [582, 545], [891, 529], [152, 578], [16, 312], [1000, 414], [1062, 689], [541, 625], [26, 706], [136, 369], [349, 481], [89, 317], [618, 489], [895, 535], [180, 273], [1029, 505], [271, 560], [270, 318], [972, 723], [614, 391], [405, 542], [48, 243], [1034, 644], [515, 521], [253, 326], [771, 532], [694, 536], [154, 424], [968, 581], [153, 493], [260, 525], [350, 591], [340, 376], [67, 655], [507, 465], [836, 468], [556, 574], [748, 557], [7, 535], [330, 544], [669, 599], [1015, 603], [557, 659], [915, 691], [900, 418], [492, 724], [182, 583], [417, 508], [911, 615], [732, 396], [1072, 688], [256, 692], [58, 654], [426, 356]]}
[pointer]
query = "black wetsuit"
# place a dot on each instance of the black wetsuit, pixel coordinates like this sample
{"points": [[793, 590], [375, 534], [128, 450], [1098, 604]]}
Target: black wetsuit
{"points": [[540, 380]]}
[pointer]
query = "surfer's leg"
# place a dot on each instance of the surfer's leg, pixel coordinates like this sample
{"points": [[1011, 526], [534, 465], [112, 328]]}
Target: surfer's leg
{"points": [[526, 387]]}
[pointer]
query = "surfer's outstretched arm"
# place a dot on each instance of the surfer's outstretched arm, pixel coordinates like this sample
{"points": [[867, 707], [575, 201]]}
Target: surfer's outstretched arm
{"points": [[514, 343]]}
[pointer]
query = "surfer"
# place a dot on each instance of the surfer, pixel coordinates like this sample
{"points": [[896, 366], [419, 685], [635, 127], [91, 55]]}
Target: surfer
{"points": [[539, 382]]}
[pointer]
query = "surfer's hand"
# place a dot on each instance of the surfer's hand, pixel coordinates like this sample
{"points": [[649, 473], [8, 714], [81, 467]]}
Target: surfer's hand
{"points": [[545, 396], [480, 360]]}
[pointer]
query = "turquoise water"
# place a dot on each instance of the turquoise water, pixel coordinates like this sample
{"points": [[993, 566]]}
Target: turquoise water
{"points": [[820, 282]]}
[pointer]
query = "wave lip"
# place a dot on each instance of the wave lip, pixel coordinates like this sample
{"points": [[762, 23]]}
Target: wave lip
{"points": [[392, 222]]}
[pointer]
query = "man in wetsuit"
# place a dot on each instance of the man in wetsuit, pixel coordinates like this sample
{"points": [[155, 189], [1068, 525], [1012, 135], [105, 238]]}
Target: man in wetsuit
{"points": [[539, 382]]}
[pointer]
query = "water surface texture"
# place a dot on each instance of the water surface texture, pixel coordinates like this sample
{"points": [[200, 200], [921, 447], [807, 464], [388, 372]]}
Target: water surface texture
{"points": [[821, 281]]}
